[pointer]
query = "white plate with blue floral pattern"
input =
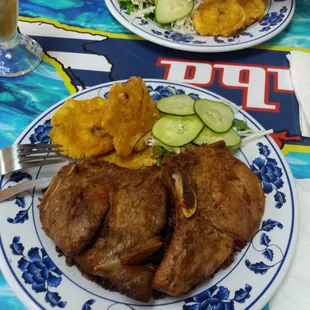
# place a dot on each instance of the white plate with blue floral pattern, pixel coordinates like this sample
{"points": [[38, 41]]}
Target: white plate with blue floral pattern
{"points": [[278, 15], [42, 280]]}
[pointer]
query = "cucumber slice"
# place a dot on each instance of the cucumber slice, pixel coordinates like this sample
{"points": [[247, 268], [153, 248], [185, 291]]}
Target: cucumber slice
{"points": [[207, 136], [168, 11], [177, 130], [177, 105], [216, 115]]}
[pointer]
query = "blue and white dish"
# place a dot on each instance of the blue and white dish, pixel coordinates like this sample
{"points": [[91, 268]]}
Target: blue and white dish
{"points": [[278, 15], [42, 280]]}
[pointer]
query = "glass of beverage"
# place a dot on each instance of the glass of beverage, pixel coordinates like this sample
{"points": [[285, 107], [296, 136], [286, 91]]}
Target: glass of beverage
{"points": [[19, 54]]}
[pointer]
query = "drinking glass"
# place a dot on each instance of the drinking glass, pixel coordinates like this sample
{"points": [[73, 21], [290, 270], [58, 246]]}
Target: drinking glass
{"points": [[19, 54]]}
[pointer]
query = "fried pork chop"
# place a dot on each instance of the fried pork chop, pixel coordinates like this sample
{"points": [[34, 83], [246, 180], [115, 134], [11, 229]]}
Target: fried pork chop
{"points": [[130, 234], [108, 220], [72, 209], [75, 205], [218, 201]]}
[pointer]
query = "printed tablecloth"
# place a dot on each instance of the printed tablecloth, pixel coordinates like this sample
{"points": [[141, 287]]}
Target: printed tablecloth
{"points": [[84, 46]]}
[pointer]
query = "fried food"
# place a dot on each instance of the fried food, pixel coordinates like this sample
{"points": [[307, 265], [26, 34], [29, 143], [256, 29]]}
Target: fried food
{"points": [[92, 128], [77, 126], [119, 225], [130, 114], [135, 161], [141, 144], [219, 17], [227, 201], [72, 209], [254, 9], [76, 204], [130, 233]]}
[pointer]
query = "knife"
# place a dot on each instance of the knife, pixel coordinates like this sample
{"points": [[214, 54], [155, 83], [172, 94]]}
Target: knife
{"points": [[13, 190]]}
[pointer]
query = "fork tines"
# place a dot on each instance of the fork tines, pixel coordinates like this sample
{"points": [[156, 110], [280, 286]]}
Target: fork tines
{"points": [[29, 149], [27, 154], [19, 156], [37, 146]]}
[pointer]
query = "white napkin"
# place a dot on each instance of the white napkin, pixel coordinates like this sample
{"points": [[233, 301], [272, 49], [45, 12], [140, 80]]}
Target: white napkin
{"points": [[294, 292], [300, 76]]}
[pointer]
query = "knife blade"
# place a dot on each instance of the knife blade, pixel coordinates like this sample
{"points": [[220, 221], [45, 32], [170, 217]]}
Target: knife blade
{"points": [[13, 190]]}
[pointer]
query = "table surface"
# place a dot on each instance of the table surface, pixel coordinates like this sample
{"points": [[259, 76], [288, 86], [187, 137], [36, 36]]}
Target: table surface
{"points": [[84, 46]]}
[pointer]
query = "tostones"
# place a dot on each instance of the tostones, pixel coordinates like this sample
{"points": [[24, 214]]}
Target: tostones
{"points": [[134, 161], [130, 114], [141, 145], [219, 17], [77, 126], [254, 10]]}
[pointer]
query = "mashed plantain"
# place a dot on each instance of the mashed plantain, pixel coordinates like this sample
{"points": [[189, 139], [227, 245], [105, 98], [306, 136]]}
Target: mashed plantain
{"points": [[130, 114], [77, 126]]}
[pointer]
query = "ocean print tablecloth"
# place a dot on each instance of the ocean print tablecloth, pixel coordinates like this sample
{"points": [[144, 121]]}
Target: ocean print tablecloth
{"points": [[85, 46]]}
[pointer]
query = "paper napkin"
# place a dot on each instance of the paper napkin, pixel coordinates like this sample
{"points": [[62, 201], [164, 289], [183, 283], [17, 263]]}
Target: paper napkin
{"points": [[300, 76], [294, 293]]}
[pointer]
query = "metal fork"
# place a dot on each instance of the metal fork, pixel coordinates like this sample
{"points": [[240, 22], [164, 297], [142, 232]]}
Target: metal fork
{"points": [[19, 156]]}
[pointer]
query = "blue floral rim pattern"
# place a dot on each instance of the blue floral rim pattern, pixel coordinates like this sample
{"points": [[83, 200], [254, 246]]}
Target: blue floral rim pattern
{"points": [[38, 269], [277, 17]]}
